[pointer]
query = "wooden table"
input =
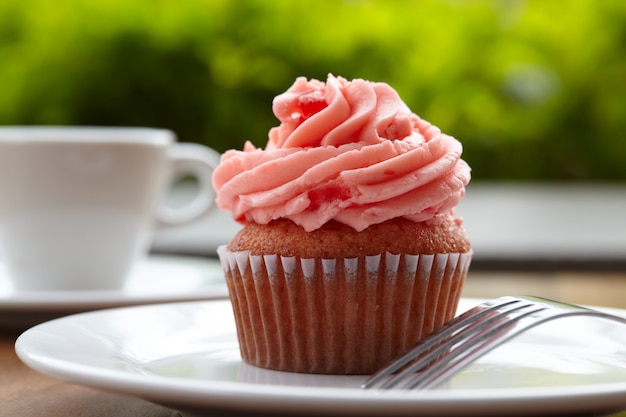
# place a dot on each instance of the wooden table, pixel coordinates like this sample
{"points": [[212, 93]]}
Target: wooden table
{"points": [[26, 393]]}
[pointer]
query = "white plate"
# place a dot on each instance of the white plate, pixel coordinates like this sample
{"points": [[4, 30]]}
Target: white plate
{"points": [[155, 279], [185, 356]]}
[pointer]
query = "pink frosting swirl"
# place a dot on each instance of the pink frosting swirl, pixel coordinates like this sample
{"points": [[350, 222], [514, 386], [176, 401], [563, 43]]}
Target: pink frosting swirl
{"points": [[349, 151]]}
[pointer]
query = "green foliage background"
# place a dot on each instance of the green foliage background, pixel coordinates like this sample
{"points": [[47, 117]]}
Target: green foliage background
{"points": [[535, 90]]}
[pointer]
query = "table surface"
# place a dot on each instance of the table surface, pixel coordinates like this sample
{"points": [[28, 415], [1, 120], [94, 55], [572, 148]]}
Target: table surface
{"points": [[24, 392]]}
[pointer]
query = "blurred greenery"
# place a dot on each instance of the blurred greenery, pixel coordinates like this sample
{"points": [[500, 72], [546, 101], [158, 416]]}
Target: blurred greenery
{"points": [[535, 90]]}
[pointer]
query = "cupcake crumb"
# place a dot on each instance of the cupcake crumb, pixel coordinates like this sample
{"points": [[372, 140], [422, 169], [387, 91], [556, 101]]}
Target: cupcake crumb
{"points": [[335, 239]]}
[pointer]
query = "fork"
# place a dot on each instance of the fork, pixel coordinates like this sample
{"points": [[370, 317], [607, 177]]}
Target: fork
{"points": [[469, 336]]}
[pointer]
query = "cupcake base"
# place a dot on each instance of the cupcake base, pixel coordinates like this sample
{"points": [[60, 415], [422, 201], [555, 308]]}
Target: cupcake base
{"points": [[338, 316]]}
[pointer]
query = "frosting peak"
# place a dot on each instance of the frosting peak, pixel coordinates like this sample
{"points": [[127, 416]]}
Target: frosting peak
{"points": [[349, 151], [316, 114]]}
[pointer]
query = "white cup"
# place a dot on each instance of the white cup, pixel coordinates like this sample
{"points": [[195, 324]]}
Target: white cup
{"points": [[78, 205]]}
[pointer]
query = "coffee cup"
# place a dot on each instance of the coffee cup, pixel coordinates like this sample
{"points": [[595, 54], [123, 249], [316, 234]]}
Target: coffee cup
{"points": [[78, 205]]}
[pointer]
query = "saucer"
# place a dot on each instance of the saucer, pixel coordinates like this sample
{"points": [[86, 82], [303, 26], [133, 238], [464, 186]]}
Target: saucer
{"points": [[185, 356], [155, 279]]}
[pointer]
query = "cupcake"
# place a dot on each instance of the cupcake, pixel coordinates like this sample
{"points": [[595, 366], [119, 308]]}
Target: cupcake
{"points": [[350, 250]]}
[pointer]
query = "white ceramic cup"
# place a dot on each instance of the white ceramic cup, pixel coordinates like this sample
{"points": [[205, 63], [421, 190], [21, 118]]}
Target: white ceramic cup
{"points": [[78, 205]]}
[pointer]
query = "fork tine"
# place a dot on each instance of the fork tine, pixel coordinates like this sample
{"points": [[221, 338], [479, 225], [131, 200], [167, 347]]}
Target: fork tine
{"points": [[444, 349], [487, 337], [541, 311], [437, 337], [470, 338]]}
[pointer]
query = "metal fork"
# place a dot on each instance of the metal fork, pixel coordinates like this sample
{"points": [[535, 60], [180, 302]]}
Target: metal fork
{"points": [[469, 336]]}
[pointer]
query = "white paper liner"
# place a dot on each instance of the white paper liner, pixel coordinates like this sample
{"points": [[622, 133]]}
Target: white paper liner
{"points": [[338, 316]]}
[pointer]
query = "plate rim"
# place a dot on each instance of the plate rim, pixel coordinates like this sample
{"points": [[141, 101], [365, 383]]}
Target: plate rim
{"points": [[181, 393]]}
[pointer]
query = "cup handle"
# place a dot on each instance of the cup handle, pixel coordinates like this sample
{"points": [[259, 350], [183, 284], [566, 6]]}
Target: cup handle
{"points": [[199, 161]]}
